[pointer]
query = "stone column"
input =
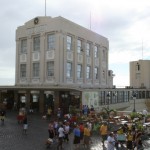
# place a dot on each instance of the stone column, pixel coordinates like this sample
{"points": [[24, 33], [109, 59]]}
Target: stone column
{"points": [[41, 101], [28, 99], [56, 101]]}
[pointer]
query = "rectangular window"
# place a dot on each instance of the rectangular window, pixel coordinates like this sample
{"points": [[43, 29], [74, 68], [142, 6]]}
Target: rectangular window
{"points": [[23, 70], [23, 46], [36, 44], [69, 69], [79, 46], [88, 49], [79, 71], [36, 69], [88, 72], [69, 43], [95, 51], [50, 68], [96, 73], [51, 42]]}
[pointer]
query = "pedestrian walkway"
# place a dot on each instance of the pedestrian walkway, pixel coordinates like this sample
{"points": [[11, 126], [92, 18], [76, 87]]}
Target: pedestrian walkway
{"points": [[12, 137]]}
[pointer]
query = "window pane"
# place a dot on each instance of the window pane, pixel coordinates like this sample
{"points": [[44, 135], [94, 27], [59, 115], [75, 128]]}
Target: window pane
{"points": [[69, 69], [96, 72], [36, 69], [51, 42], [69, 42], [88, 49], [79, 71], [95, 51], [88, 72], [24, 46], [36, 44], [50, 68], [23, 70], [79, 46]]}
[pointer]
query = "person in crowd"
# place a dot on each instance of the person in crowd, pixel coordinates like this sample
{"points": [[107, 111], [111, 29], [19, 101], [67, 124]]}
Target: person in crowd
{"points": [[49, 113], [104, 132], [2, 116], [145, 113], [129, 140], [85, 110], [55, 126], [116, 139], [110, 142], [81, 127], [67, 130], [59, 114], [86, 136], [121, 136], [138, 141], [25, 124], [76, 133], [51, 130], [61, 132]]}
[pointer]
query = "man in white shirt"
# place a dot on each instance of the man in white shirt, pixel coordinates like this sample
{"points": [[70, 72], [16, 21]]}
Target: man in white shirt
{"points": [[61, 136], [110, 142]]}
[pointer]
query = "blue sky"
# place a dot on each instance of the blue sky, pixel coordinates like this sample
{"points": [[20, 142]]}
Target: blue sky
{"points": [[126, 24]]}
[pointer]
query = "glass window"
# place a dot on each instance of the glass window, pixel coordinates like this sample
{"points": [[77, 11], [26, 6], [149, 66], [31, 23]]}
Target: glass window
{"points": [[88, 72], [69, 69], [51, 41], [95, 51], [69, 42], [79, 71], [103, 74], [96, 72], [79, 46], [23, 70], [88, 49], [50, 68], [36, 69], [24, 46], [36, 44]]}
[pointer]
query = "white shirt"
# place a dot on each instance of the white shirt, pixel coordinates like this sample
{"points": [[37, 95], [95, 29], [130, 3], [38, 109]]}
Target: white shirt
{"points": [[145, 112], [61, 132], [67, 128], [111, 143]]}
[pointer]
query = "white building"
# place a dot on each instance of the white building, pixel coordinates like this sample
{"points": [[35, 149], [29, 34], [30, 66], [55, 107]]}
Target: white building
{"points": [[58, 52]]}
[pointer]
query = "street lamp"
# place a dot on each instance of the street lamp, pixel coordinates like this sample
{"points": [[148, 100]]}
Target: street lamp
{"points": [[134, 98]]}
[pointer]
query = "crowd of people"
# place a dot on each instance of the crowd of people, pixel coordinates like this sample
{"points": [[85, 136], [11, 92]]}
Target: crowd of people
{"points": [[125, 136]]}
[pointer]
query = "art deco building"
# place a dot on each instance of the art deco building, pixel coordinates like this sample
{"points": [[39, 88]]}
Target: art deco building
{"points": [[58, 52]]}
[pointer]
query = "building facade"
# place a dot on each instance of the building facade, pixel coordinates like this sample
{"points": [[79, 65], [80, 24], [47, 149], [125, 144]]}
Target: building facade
{"points": [[58, 52], [140, 74]]}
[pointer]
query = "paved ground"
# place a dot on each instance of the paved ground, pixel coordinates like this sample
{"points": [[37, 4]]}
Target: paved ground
{"points": [[12, 137]]}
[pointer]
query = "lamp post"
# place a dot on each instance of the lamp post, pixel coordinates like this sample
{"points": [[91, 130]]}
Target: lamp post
{"points": [[134, 98], [65, 102]]}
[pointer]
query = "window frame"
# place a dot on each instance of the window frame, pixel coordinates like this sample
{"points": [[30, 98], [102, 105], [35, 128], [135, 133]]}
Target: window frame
{"points": [[36, 69], [51, 41], [50, 69], [23, 48], [36, 43], [69, 70], [23, 70], [79, 71]]}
